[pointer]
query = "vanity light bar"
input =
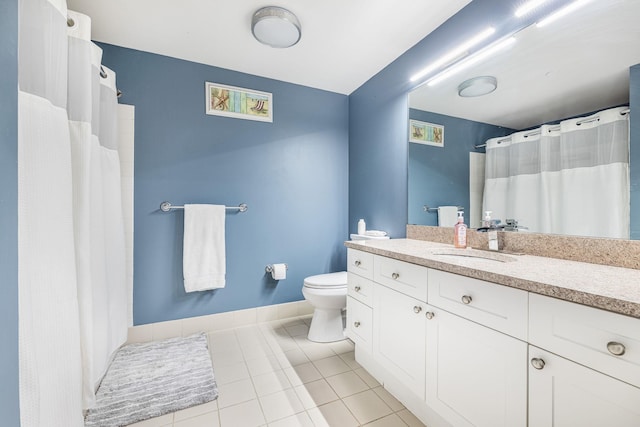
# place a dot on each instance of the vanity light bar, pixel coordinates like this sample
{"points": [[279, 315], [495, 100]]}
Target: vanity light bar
{"points": [[455, 53], [471, 60], [562, 12], [528, 7]]}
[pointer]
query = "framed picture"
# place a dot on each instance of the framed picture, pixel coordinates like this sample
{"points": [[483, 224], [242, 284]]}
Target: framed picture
{"points": [[426, 133], [239, 103]]}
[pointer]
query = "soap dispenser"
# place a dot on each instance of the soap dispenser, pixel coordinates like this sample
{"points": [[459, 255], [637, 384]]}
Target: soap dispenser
{"points": [[460, 232]]}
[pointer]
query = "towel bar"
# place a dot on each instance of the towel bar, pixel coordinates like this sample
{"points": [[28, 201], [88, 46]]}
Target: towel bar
{"points": [[167, 206]]}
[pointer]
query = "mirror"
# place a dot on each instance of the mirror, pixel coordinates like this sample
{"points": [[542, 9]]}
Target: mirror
{"points": [[574, 67]]}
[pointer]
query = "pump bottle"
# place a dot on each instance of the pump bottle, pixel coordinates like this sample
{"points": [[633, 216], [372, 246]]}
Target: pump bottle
{"points": [[460, 232]]}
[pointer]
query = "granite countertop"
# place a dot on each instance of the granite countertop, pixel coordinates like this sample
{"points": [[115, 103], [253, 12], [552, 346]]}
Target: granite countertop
{"points": [[613, 289]]}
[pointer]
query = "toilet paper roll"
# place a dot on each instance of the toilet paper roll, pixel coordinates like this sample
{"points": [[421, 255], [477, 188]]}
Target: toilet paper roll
{"points": [[279, 271]]}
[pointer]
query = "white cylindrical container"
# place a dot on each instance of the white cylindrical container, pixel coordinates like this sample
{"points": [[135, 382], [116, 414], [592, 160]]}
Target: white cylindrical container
{"points": [[362, 227]]}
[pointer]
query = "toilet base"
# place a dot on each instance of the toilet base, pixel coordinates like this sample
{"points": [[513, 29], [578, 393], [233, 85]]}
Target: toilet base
{"points": [[326, 325]]}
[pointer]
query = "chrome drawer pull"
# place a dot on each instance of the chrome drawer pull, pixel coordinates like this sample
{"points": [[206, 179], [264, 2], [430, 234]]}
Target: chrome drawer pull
{"points": [[616, 348], [395, 276], [430, 315], [357, 263], [417, 309], [356, 324], [466, 299], [537, 363], [357, 289]]}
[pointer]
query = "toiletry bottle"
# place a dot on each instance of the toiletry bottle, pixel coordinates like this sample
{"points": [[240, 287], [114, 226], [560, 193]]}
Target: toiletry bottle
{"points": [[362, 227], [460, 232]]}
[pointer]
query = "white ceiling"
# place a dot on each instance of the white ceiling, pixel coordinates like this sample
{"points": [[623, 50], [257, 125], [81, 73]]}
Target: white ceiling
{"points": [[577, 65], [343, 44]]}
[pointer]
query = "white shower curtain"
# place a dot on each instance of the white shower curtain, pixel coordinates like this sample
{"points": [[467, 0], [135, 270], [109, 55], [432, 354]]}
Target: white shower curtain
{"points": [[571, 178], [72, 288]]}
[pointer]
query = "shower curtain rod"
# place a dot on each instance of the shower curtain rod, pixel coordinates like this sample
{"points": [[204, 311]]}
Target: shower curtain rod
{"points": [[537, 132]]}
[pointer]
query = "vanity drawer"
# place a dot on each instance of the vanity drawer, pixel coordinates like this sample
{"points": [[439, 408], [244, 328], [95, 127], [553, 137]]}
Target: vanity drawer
{"points": [[360, 288], [495, 306], [360, 263], [409, 279], [359, 324], [587, 335]]}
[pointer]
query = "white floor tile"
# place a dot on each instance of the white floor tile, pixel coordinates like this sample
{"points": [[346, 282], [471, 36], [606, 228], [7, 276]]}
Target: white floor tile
{"points": [[350, 359], [230, 373], [296, 357], [280, 405], [298, 330], [162, 421], [331, 366], [234, 393], [270, 382], [195, 411], [315, 393], [209, 419], [388, 398], [334, 414], [263, 365], [247, 414], [298, 420], [410, 419], [316, 351], [367, 406], [229, 357], [347, 384], [302, 374], [344, 346], [389, 421], [367, 378]]}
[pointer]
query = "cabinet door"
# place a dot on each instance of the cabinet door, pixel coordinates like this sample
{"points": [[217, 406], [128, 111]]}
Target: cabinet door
{"points": [[399, 337], [359, 323], [565, 394], [475, 376]]}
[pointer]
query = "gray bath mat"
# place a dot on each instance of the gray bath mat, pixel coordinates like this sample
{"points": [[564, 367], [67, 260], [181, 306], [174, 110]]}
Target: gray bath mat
{"points": [[148, 380]]}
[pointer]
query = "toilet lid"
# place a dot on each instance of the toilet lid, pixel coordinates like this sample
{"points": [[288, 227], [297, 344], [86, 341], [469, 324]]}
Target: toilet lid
{"points": [[331, 280]]}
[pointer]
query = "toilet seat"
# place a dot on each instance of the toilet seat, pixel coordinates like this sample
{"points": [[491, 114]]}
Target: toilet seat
{"points": [[327, 281]]}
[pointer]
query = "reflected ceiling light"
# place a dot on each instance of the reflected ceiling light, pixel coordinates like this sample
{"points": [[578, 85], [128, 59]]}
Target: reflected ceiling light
{"points": [[276, 27], [471, 60], [477, 86], [455, 53], [528, 7], [562, 12]]}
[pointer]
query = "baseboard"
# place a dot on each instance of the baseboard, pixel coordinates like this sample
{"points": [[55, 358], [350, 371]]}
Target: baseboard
{"points": [[217, 322]]}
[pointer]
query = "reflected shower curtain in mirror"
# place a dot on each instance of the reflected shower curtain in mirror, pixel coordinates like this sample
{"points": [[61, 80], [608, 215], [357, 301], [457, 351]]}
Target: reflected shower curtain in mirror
{"points": [[571, 178], [71, 274]]}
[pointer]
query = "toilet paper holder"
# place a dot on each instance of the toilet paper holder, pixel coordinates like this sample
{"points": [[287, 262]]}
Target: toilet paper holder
{"points": [[269, 268]]}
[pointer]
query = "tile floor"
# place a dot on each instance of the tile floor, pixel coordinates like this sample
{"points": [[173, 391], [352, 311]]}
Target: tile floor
{"points": [[269, 374]]}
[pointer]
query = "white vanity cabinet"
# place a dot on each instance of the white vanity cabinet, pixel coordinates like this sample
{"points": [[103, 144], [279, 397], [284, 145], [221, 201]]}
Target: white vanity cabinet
{"points": [[359, 324], [588, 373], [476, 376], [399, 334]]}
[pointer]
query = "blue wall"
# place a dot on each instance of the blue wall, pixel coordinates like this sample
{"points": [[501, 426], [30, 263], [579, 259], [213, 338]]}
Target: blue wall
{"points": [[9, 391], [634, 105], [292, 173], [430, 179], [378, 115]]}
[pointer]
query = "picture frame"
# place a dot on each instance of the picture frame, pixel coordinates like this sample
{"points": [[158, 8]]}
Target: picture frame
{"points": [[238, 103], [426, 133]]}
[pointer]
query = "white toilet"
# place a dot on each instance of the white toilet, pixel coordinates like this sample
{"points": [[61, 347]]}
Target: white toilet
{"points": [[327, 293]]}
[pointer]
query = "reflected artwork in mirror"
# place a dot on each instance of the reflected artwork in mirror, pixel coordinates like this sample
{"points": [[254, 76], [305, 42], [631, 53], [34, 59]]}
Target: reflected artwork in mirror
{"points": [[572, 69]]}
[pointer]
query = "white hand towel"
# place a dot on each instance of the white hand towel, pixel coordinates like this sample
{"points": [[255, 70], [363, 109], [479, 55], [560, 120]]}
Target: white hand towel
{"points": [[447, 216], [203, 258]]}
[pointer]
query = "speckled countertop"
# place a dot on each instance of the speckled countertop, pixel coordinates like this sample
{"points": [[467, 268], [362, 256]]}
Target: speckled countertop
{"points": [[614, 289]]}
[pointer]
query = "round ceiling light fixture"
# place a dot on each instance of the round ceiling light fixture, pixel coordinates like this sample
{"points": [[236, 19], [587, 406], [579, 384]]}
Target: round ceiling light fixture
{"points": [[276, 27], [477, 86]]}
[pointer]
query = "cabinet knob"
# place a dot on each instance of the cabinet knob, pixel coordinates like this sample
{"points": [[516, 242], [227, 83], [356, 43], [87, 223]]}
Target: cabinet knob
{"points": [[417, 309], [537, 363], [430, 315], [466, 299], [616, 348], [357, 263], [395, 276], [357, 288], [356, 324]]}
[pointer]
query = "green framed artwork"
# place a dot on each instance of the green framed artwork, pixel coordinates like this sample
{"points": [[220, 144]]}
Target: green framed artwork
{"points": [[426, 133], [239, 103]]}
